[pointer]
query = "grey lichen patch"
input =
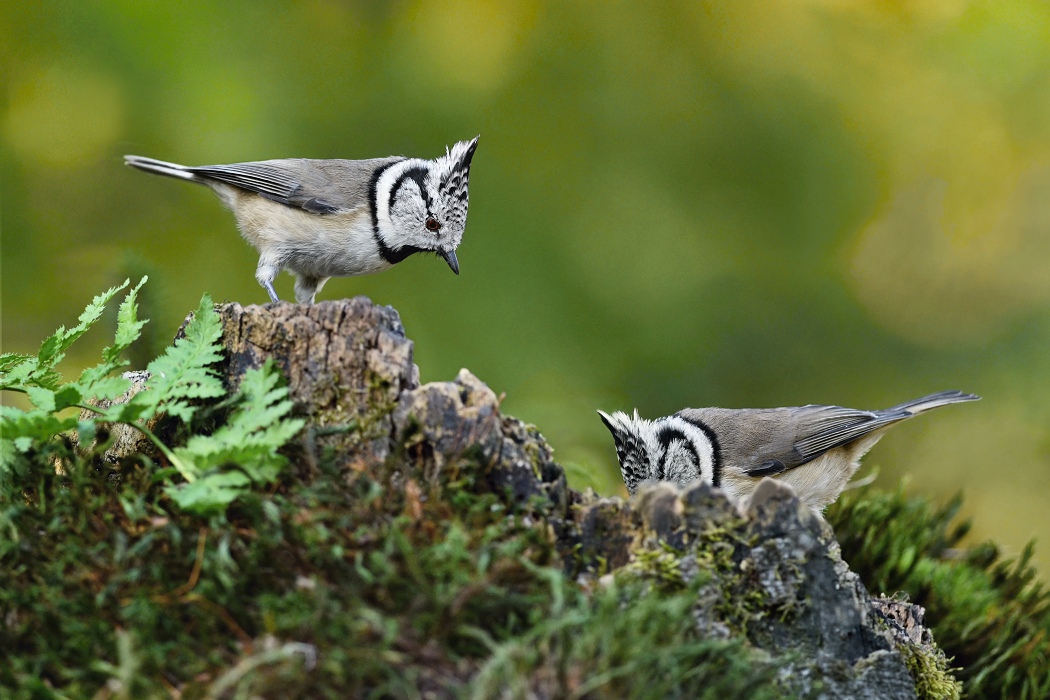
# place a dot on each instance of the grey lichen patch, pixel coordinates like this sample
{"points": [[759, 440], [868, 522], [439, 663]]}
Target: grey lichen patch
{"points": [[768, 571], [776, 567], [874, 677]]}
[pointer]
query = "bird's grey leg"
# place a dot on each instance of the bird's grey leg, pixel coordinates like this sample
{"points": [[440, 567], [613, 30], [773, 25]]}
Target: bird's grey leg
{"points": [[264, 273], [307, 287]]}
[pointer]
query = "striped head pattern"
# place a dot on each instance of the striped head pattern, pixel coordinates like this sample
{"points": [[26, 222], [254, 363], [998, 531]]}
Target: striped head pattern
{"points": [[666, 449], [421, 205]]}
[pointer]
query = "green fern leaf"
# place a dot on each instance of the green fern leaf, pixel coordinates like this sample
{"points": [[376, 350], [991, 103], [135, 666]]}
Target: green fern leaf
{"points": [[256, 429], [129, 328], [211, 494], [22, 371], [10, 360], [106, 387], [44, 399], [25, 428], [183, 373], [17, 371], [54, 348]]}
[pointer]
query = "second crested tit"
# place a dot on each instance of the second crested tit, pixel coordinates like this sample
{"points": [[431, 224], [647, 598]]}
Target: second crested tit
{"points": [[815, 449]]}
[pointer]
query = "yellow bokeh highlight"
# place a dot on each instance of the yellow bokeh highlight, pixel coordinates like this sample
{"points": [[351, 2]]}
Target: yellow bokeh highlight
{"points": [[929, 277], [63, 115], [464, 44]]}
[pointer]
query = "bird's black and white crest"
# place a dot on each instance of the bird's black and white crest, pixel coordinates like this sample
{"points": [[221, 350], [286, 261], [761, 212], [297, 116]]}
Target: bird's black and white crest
{"points": [[421, 205], [453, 173], [667, 449]]}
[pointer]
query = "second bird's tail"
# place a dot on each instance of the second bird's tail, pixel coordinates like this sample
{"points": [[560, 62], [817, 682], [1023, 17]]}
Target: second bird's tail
{"points": [[932, 401]]}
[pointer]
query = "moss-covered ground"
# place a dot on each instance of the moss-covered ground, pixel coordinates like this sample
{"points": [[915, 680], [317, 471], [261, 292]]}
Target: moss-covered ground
{"points": [[337, 582]]}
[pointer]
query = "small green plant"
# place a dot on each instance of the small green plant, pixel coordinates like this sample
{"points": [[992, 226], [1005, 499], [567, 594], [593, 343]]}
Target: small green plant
{"points": [[215, 468], [37, 378]]}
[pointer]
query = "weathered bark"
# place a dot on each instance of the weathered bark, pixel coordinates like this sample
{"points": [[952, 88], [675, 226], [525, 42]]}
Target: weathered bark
{"points": [[347, 364], [124, 440]]}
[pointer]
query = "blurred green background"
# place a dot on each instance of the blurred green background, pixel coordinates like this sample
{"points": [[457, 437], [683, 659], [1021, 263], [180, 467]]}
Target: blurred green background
{"points": [[733, 203]]}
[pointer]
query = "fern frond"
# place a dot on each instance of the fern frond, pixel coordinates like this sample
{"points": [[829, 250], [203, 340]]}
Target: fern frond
{"points": [[217, 468], [183, 373], [53, 350], [22, 371], [10, 360], [129, 328], [25, 428], [212, 493], [256, 429]]}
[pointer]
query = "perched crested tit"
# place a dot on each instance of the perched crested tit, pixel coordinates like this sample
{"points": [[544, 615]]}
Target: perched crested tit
{"points": [[815, 449], [338, 218]]}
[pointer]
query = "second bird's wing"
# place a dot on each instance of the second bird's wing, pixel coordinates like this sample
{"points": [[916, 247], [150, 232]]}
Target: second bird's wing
{"points": [[765, 442], [316, 186]]}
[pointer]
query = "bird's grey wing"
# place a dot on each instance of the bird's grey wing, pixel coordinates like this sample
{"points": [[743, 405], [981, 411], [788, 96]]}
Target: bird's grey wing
{"points": [[823, 428], [748, 439], [316, 186], [766, 442]]}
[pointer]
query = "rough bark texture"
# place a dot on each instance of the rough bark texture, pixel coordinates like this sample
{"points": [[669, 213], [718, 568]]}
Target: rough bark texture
{"points": [[126, 440], [772, 568], [347, 364]]}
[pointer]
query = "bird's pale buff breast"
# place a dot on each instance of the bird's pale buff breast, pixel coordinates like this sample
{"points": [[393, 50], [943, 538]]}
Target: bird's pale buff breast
{"points": [[319, 245]]}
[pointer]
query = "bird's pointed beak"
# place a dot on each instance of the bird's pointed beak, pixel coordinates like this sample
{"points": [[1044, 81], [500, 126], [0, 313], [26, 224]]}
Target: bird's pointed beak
{"points": [[450, 257]]}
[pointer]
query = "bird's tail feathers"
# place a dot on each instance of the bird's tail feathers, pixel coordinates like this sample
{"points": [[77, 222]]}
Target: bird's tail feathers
{"points": [[932, 401], [159, 167]]}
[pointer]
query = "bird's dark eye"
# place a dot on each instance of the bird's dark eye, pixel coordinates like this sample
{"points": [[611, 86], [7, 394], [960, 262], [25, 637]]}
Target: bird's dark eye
{"points": [[432, 224]]}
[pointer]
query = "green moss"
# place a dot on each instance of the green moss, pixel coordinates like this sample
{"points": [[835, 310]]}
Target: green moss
{"points": [[991, 617], [932, 674], [661, 566], [626, 641], [714, 562]]}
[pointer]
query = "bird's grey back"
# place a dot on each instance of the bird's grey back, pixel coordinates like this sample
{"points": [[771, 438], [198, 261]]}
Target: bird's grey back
{"points": [[776, 439], [318, 186], [747, 436]]}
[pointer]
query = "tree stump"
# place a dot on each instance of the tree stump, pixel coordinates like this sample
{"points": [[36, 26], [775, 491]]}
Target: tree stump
{"points": [[350, 373]]}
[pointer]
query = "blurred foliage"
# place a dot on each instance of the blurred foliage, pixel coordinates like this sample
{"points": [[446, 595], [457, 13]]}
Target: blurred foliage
{"points": [[336, 583], [735, 203], [989, 615]]}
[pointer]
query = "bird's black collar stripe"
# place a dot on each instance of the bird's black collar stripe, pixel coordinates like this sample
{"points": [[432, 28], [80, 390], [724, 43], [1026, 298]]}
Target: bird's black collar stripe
{"points": [[394, 256], [386, 252], [667, 435], [716, 449], [417, 174]]}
